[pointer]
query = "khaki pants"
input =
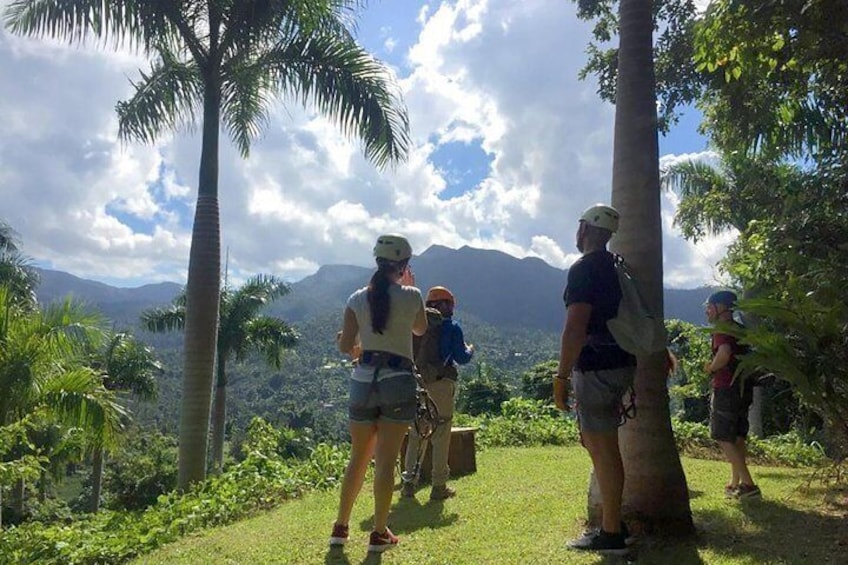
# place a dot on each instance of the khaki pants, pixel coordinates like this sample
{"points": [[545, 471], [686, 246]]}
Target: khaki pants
{"points": [[442, 392]]}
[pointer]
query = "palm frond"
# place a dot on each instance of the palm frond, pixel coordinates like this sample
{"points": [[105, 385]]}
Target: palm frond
{"points": [[342, 81], [130, 366], [245, 98], [78, 398], [164, 98], [271, 337], [164, 319], [255, 23], [9, 239], [126, 23]]}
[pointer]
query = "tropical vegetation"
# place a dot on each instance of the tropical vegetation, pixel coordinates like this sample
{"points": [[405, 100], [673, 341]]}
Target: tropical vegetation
{"points": [[768, 78], [224, 63], [242, 328]]}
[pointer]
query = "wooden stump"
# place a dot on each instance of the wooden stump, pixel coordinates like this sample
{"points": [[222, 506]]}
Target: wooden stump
{"points": [[462, 455]]}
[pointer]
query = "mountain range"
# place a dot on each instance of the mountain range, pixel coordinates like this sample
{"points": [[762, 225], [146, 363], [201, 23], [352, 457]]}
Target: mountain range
{"points": [[490, 286]]}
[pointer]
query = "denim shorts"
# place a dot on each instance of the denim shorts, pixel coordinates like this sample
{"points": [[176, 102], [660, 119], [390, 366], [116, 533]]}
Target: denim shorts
{"points": [[382, 395], [598, 397]]}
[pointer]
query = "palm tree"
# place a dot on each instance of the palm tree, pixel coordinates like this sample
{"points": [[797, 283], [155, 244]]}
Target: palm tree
{"points": [[43, 378], [125, 366], [241, 329], [655, 488], [226, 61], [16, 271]]}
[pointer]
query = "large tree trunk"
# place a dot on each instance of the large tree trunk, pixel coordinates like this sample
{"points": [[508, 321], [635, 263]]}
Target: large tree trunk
{"points": [[219, 418], [655, 491], [96, 479], [202, 296]]}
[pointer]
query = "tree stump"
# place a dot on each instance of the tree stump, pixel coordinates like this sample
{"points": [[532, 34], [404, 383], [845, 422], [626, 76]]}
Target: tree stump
{"points": [[462, 455]]}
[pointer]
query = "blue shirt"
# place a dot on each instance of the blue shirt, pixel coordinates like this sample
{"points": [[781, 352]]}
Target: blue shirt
{"points": [[452, 343]]}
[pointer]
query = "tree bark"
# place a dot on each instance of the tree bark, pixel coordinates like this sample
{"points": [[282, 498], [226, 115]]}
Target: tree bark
{"points": [[96, 480], [202, 298], [219, 418], [655, 491]]}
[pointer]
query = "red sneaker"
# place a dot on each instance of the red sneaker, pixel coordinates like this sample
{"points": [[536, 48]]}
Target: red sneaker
{"points": [[382, 542], [339, 535]]}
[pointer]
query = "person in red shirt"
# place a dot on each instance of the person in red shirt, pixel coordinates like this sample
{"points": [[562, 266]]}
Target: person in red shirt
{"points": [[730, 398]]}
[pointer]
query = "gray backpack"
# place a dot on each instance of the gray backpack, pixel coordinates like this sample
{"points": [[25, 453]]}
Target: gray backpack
{"points": [[635, 328]]}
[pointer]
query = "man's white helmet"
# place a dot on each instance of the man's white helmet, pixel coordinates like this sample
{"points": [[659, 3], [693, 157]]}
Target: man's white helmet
{"points": [[601, 216], [392, 247]]}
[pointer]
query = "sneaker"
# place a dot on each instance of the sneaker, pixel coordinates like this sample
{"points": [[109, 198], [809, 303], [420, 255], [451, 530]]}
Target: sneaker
{"points": [[339, 535], [382, 542], [408, 490], [730, 491], [601, 542], [442, 492], [625, 531], [748, 491]]}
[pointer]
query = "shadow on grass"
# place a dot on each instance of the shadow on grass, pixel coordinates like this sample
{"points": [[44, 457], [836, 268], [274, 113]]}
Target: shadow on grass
{"points": [[695, 493], [336, 556], [408, 515], [773, 533]]}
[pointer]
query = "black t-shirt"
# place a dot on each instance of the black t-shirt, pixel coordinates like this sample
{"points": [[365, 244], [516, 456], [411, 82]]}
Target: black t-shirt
{"points": [[592, 280]]}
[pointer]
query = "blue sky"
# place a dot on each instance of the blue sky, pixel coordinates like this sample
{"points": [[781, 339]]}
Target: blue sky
{"points": [[509, 148]]}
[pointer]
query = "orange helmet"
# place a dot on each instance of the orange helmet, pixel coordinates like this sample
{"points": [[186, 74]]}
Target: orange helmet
{"points": [[438, 293]]}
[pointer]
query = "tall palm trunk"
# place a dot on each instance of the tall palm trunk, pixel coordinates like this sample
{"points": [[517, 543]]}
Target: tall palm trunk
{"points": [[219, 418], [202, 296], [655, 490], [96, 479]]}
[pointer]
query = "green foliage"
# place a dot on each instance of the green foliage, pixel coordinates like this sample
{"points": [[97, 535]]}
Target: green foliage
{"points": [[537, 383], [787, 449], [522, 423], [689, 386], [678, 83], [285, 442], [261, 481], [776, 76], [482, 394], [144, 468]]}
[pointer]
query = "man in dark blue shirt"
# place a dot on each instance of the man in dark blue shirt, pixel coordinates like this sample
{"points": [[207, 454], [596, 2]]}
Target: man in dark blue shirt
{"points": [[599, 370]]}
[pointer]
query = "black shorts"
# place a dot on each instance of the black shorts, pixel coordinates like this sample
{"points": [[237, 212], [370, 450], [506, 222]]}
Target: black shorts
{"points": [[729, 413]]}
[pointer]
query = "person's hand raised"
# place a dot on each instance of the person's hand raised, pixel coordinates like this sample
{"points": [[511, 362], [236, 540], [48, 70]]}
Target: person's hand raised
{"points": [[408, 277]]}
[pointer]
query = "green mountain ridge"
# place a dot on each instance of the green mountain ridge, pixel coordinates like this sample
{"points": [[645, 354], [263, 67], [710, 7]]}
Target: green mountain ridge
{"points": [[491, 286]]}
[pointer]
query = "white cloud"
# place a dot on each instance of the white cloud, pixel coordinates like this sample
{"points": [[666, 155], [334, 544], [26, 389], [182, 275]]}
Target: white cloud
{"points": [[495, 73]]}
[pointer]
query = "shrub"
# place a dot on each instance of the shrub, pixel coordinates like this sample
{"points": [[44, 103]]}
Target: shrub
{"points": [[142, 470], [261, 481], [522, 423]]}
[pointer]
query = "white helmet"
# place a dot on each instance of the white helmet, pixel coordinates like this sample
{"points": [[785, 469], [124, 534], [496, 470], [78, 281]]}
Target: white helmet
{"points": [[601, 216], [392, 247]]}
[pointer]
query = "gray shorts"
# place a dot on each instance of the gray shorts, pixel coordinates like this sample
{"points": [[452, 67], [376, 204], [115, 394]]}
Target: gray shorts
{"points": [[597, 394], [388, 397]]}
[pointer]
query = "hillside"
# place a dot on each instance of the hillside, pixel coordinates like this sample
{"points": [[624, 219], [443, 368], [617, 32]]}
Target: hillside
{"points": [[492, 287]]}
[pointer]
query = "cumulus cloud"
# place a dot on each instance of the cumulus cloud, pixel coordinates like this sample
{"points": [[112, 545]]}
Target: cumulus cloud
{"points": [[496, 74]]}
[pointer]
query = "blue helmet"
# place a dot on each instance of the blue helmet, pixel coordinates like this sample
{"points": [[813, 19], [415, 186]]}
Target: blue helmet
{"points": [[725, 297]]}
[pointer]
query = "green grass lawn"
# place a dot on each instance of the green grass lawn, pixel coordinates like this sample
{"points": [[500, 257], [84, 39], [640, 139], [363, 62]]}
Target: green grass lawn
{"points": [[521, 507]]}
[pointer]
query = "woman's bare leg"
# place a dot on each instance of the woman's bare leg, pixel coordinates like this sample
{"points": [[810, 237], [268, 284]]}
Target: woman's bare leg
{"points": [[363, 438]]}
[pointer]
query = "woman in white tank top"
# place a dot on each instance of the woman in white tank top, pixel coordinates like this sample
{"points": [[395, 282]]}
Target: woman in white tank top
{"points": [[379, 321]]}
